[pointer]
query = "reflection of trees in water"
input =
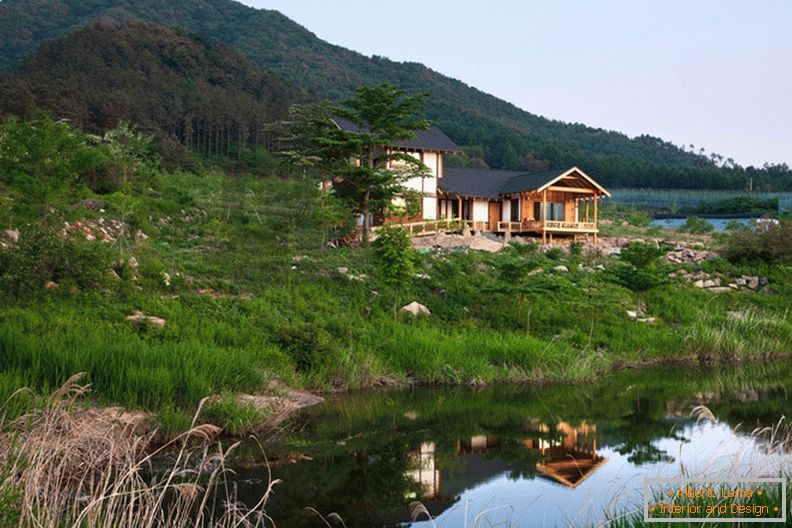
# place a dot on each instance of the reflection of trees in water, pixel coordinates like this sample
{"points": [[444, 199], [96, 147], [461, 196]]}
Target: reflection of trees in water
{"points": [[634, 434]]}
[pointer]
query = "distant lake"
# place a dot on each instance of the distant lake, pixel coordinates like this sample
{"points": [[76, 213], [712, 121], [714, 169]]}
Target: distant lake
{"points": [[718, 223], [556, 455]]}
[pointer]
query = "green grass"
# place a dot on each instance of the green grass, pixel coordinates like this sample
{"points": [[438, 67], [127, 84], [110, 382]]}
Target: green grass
{"points": [[240, 312]]}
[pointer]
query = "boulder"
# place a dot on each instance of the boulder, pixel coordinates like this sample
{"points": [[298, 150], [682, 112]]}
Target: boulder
{"points": [[415, 309], [11, 235], [141, 318], [482, 243]]}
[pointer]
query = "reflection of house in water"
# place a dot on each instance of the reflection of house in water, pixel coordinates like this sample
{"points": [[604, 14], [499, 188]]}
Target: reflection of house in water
{"points": [[568, 456], [423, 470], [477, 444], [571, 456]]}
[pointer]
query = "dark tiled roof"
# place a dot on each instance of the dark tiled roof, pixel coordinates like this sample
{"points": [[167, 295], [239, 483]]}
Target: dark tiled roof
{"points": [[487, 183], [484, 183], [527, 182], [432, 139]]}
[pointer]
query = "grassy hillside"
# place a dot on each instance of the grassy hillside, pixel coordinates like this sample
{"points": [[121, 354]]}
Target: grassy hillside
{"points": [[510, 137], [232, 264]]}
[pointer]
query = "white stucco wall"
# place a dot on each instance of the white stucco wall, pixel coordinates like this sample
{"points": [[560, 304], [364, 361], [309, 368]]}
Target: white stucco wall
{"points": [[480, 211], [427, 186], [505, 210], [429, 208]]}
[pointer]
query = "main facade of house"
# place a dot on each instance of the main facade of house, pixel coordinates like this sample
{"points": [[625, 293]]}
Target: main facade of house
{"points": [[555, 202]]}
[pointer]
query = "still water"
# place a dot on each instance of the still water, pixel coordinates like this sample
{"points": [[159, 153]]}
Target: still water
{"points": [[718, 224], [525, 456]]}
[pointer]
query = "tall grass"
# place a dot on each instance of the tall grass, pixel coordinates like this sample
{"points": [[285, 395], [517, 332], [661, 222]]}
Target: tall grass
{"points": [[62, 468]]}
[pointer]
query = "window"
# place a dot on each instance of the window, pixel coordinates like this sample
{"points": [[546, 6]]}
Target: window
{"points": [[515, 210], [554, 212]]}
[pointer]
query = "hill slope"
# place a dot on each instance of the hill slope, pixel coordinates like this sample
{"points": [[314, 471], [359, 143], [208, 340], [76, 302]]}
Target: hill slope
{"points": [[186, 90], [469, 116]]}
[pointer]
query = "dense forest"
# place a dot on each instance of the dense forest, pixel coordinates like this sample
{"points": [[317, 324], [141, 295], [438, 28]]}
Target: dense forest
{"points": [[498, 133], [190, 92]]}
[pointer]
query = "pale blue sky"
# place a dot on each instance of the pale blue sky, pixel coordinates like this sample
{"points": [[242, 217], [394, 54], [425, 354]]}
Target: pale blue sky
{"points": [[717, 74]]}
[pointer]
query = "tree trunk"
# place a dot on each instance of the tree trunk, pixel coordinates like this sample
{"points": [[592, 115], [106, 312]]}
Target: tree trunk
{"points": [[366, 218]]}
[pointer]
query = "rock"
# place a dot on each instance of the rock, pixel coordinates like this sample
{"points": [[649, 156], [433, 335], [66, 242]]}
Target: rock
{"points": [[296, 259], [482, 243], [752, 282], [415, 309], [535, 271], [342, 270], [699, 283], [50, 285], [91, 204], [466, 231], [133, 263], [11, 235], [140, 236], [720, 289], [708, 284], [141, 318], [561, 269], [633, 314]]}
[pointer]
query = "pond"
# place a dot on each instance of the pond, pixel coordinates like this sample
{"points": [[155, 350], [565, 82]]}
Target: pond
{"points": [[555, 455], [718, 224]]}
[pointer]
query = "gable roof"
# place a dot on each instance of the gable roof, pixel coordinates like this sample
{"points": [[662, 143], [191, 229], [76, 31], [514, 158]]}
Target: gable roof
{"points": [[484, 183], [487, 183], [431, 139]]}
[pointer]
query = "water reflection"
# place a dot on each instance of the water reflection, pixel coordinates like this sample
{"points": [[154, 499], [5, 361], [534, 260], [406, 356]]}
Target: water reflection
{"points": [[555, 455]]}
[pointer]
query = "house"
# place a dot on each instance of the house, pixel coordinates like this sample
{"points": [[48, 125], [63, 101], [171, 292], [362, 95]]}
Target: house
{"points": [[571, 456], [555, 202]]}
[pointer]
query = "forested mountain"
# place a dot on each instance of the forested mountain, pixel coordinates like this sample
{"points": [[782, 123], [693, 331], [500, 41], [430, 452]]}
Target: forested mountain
{"points": [[508, 136], [188, 91]]}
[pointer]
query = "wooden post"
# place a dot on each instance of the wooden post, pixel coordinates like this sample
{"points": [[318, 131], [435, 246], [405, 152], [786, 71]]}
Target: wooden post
{"points": [[543, 212], [596, 221]]}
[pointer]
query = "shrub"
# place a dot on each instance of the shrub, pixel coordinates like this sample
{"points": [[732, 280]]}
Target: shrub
{"points": [[554, 253], [640, 271], [396, 259], [770, 245], [696, 226], [44, 254]]}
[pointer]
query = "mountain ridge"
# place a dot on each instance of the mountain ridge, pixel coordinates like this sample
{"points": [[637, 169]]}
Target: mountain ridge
{"points": [[508, 136]]}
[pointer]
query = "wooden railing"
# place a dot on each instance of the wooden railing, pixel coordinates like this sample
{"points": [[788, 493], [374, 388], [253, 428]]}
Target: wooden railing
{"points": [[555, 224], [431, 227], [445, 225]]}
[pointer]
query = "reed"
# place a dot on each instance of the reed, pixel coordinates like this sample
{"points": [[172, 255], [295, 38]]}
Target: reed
{"points": [[62, 466]]}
